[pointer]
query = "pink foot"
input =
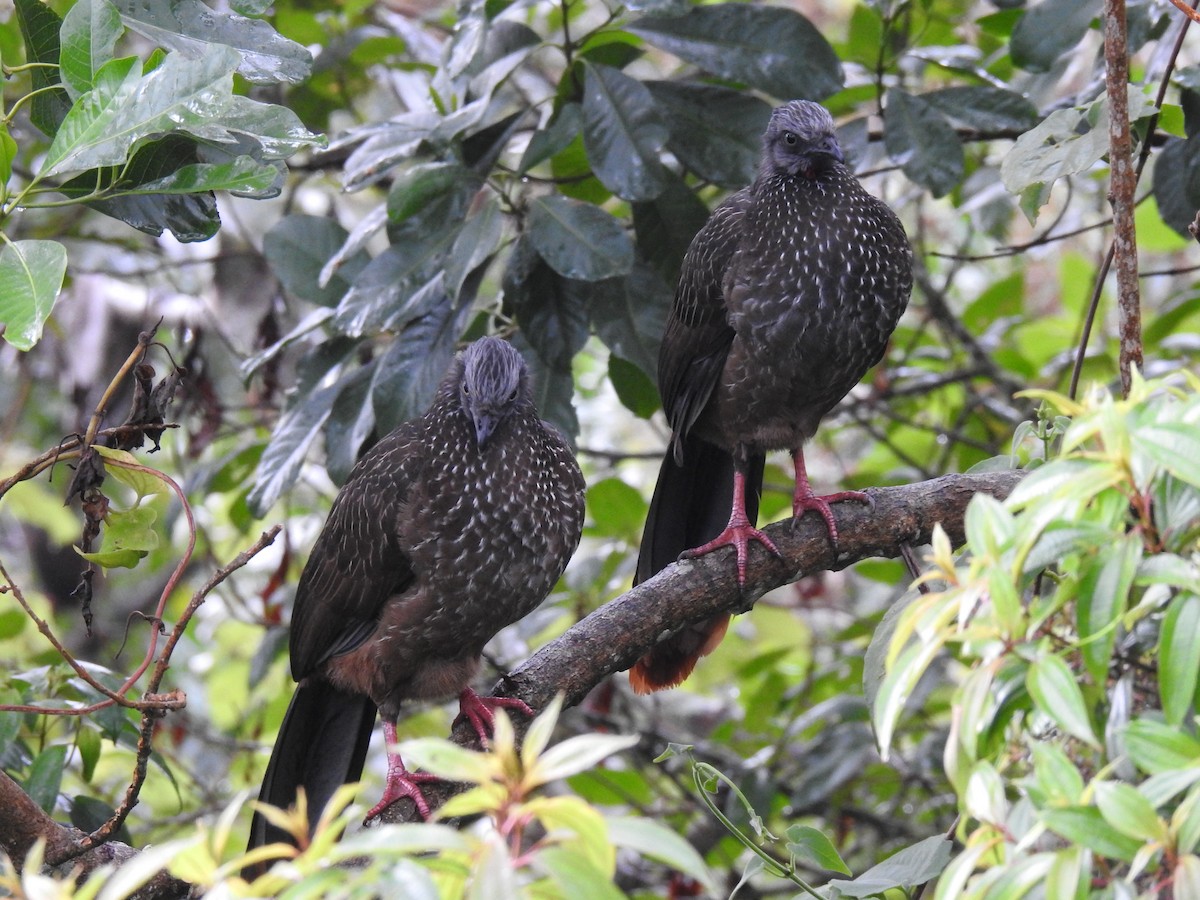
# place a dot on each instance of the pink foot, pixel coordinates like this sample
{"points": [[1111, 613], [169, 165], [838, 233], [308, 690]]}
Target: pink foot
{"points": [[478, 711], [401, 782], [805, 498], [738, 533]]}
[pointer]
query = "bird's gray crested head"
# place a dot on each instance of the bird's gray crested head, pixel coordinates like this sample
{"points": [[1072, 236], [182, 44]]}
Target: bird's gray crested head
{"points": [[493, 383], [800, 140]]}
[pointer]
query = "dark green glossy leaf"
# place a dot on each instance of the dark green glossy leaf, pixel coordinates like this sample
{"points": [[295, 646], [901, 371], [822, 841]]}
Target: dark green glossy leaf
{"points": [[476, 244], [196, 29], [554, 138], [579, 240], [409, 372], [288, 447], [553, 318], [350, 423], [89, 813], [716, 132], [629, 315], [40, 26], [623, 133], [983, 107], [1177, 182], [770, 48], [420, 184], [665, 226], [297, 247], [45, 776], [1050, 29], [920, 139]]}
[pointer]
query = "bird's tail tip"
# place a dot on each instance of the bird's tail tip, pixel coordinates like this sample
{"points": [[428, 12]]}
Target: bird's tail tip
{"points": [[670, 663]]}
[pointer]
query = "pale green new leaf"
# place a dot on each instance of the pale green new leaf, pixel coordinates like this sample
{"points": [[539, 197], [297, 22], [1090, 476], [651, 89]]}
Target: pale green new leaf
{"points": [[449, 760], [580, 753], [815, 848], [31, 275], [1179, 657], [1056, 692], [243, 175], [1128, 811], [656, 841]]}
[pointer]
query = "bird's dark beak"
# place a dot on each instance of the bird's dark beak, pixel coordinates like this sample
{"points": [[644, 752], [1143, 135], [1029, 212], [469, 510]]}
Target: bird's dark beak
{"points": [[485, 424], [829, 146]]}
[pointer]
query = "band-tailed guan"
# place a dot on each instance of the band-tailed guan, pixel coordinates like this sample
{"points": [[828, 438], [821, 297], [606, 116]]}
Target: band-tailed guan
{"points": [[453, 526], [787, 296]]}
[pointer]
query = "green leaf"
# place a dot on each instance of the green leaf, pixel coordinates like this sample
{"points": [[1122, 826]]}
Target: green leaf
{"points": [[617, 510], [812, 847], [656, 841], [191, 95], [1155, 747], [477, 243], [1050, 29], [297, 247], [665, 227], [629, 314], [143, 483], [579, 240], [983, 107], [912, 866], [196, 29], [576, 875], [716, 131], [1086, 826], [244, 176], [1173, 445], [420, 184], [551, 311], [31, 276], [1130, 813], [623, 133], [920, 139], [579, 754], [281, 461], [409, 372], [1179, 657], [1177, 182], [770, 48], [634, 388], [1056, 692], [45, 776], [8, 153], [128, 537], [40, 27], [87, 741], [1103, 596], [88, 37]]}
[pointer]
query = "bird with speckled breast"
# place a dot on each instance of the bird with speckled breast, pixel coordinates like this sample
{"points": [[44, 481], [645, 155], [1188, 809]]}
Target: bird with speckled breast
{"points": [[450, 528], [786, 297]]}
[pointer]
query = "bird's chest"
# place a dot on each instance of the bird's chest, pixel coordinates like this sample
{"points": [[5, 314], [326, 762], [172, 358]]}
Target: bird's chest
{"points": [[483, 527], [804, 293]]}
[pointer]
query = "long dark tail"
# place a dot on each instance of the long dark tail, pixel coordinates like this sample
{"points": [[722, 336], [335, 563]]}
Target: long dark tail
{"points": [[691, 506], [322, 745]]}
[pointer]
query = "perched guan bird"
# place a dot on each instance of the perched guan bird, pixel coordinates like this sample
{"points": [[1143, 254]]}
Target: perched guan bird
{"points": [[787, 296], [450, 528]]}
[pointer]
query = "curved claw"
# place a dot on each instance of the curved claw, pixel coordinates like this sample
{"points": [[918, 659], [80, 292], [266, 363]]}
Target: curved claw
{"points": [[401, 782], [478, 711]]}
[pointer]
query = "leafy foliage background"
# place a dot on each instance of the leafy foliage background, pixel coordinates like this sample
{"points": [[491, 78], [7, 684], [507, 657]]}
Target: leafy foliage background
{"points": [[538, 169]]}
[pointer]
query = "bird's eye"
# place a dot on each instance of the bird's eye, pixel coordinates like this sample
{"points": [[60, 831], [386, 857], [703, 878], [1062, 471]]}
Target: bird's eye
{"points": [[512, 396], [789, 138], [466, 389]]}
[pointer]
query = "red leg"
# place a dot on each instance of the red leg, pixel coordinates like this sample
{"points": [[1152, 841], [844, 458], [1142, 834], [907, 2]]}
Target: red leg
{"points": [[804, 498], [478, 711], [400, 781], [738, 533]]}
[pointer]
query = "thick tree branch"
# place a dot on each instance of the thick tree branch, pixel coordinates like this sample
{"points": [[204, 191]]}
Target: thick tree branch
{"points": [[612, 638]]}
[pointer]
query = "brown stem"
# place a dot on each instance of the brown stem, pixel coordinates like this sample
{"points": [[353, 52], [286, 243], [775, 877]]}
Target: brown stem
{"points": [[1123, 185]]}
